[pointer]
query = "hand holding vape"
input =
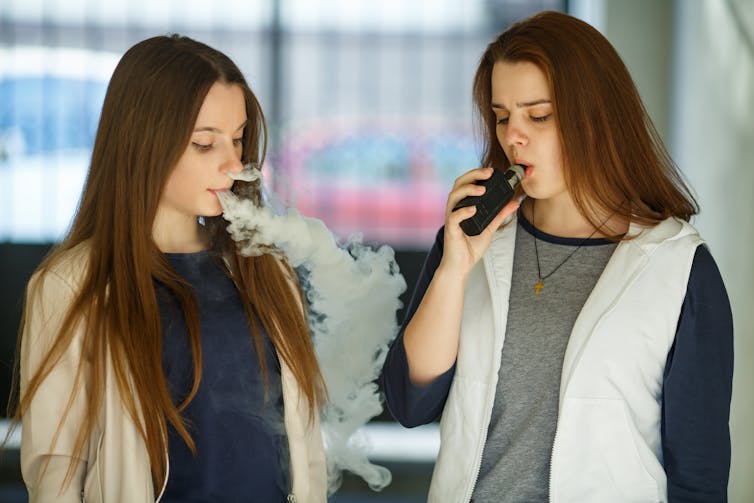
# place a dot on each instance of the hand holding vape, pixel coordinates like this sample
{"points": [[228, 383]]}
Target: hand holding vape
{"points": [[500, 189]]}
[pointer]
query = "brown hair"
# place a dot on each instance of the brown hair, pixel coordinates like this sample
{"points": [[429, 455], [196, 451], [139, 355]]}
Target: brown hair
{"points": [[614, 159], [149, 112]]}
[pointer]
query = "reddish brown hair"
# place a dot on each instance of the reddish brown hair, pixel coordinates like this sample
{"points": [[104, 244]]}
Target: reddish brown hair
{"points": [[614, 159], [149, 112]]}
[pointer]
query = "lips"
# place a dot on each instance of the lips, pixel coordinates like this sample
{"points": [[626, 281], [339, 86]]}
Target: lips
{"points": [[528, 168]]}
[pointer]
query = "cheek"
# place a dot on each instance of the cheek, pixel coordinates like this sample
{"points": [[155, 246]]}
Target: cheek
{"points": [[556, 161], [500, 134], [180, 183], [555, 150], [187, 175], [171, 185]]}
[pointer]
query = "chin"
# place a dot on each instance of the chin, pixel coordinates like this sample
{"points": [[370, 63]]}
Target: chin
{"points": [[211, 211], [537, 191], [528, 189]]}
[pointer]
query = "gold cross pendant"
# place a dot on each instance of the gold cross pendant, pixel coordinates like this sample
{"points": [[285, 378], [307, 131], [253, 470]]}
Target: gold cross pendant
{"points": [[539, 286]]}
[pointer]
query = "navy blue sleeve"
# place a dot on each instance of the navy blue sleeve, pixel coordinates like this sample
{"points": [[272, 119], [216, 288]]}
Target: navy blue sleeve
{"points": [[412, 405], [697, 389]]}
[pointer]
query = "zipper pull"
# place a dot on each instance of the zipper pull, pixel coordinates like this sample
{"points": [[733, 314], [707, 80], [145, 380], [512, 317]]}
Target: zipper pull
{"points": [[291, 498]]}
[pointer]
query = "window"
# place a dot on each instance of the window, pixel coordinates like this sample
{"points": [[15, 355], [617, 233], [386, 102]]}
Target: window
{"points": [[368, 103]]}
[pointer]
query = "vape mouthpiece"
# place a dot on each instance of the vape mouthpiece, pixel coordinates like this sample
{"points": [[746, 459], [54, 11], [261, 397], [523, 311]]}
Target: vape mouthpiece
{"points": [[519, 172]]}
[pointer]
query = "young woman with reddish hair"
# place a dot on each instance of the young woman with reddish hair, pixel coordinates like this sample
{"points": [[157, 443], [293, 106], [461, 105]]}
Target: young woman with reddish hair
{"points": [[581, 347], [156, 362]]}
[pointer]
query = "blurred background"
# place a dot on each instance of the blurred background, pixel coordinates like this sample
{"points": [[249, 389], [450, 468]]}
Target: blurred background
{"points": [[370, 114]]}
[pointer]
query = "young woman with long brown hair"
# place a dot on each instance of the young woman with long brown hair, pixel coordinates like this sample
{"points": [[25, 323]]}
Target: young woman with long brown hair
{"points": [[157, 362], [580, 347]]}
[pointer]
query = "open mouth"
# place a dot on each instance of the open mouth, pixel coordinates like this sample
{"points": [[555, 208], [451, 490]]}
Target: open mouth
{"points": [[528, 168], [218, 192]]}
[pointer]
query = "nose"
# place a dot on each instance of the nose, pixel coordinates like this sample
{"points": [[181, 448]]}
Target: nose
{"points": [[232, 163], [233, 166], [514, 134]]}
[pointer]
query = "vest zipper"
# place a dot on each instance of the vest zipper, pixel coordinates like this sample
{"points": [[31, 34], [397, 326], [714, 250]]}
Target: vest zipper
{"points": [[552, 458], [291, 498], [488, 412], [478, 456]]}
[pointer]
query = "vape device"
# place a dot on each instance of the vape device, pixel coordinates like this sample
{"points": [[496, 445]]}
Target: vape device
{"points": [[500, 190]]}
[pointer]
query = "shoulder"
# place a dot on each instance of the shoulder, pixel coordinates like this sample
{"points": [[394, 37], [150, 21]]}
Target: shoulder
{"points": [[51, 292], [705, 280], [671, 235], [669, 229], [64, 271]]}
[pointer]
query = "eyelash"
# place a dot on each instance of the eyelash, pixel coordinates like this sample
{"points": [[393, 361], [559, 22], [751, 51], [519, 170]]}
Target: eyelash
{"points": [[206, 148], [541, 118]]}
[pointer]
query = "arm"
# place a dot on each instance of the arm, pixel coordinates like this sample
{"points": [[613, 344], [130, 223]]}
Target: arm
{"points": [[420, 366], [697, 389], [431, 337], [45, 459], [410, 404]]}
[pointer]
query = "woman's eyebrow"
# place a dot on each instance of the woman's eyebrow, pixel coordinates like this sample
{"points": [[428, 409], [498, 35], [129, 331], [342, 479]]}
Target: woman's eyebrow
{"points": [[216, 130], [523, 104]]}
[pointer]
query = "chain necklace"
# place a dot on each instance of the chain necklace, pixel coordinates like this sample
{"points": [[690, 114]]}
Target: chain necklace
{"points": [[541, 283]]}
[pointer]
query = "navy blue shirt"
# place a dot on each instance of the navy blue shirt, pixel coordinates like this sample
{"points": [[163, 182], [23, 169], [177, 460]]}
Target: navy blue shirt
{"points": [[242, 451], [696, 388]]}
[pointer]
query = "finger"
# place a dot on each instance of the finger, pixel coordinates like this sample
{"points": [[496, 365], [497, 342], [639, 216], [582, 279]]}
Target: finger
{"points": [[455, 218], [507, 211], [457, 194], [472, 176]]}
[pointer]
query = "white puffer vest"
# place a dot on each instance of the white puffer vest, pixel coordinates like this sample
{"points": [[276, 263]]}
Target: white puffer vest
{"points": [[607, 445]]}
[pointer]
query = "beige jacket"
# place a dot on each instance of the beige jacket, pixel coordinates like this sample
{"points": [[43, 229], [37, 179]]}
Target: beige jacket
{"points": [[114, 466]]}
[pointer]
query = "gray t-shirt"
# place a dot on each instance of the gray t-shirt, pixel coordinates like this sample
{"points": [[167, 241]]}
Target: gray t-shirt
{"points": [[516, 458]]}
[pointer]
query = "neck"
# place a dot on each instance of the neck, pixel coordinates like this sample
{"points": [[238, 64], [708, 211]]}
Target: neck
{"points": [[177, 235], [562, 218], [559, 218]]}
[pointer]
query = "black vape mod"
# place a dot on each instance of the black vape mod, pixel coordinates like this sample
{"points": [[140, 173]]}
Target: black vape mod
{"points": [[500, 190]]}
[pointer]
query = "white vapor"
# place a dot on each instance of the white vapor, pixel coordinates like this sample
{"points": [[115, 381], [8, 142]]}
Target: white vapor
{"points": [[249, 173], [353, 294]]}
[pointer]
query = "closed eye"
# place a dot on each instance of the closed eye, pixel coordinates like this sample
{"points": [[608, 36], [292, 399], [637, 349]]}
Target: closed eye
{"points": [[541, 118], [201, 146]]}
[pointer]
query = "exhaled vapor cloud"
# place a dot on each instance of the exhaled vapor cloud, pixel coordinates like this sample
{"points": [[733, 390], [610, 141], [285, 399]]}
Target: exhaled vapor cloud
{"points": [[353, 295]]}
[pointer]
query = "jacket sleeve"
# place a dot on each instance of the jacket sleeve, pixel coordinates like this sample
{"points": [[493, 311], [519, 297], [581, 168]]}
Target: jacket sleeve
{"points": [[413, 405], [48, 432], [697, 389]]}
